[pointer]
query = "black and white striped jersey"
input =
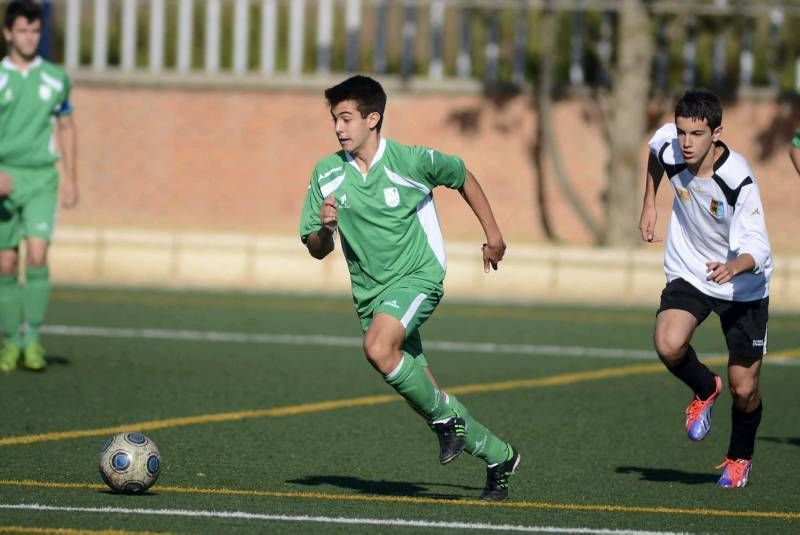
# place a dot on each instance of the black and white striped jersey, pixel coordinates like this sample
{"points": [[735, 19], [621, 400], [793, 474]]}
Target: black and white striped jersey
{"points": [[714, 219]]}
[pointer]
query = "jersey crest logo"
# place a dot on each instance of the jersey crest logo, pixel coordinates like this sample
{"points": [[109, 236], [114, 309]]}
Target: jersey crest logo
{"points": [[717, 208], [683, 194], [9, 95], [45, 92], [391, 196]]}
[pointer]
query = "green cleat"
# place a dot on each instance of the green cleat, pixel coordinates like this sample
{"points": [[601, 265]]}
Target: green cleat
{"points": [[34, 357], [9, 355]]}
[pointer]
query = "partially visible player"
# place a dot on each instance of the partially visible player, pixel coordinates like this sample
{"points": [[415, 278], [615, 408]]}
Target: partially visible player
{"points": [[378, 195], [717, 258], [794, 151], [34, 106]]}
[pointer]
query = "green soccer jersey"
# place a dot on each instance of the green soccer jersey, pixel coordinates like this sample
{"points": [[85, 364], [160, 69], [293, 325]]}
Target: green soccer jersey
{"points": [[796, 139], [29, 104], [388, 225]]}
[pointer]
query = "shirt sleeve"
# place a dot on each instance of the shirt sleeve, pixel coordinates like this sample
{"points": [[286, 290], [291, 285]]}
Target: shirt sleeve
{"points": [[796, 139], [439, 169], [64, 107], [748, 232], [309, 218], [665, 134]]}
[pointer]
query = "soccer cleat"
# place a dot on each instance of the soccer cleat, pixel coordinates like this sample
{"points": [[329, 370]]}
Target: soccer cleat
{"points": [[33, 358], [9, 355], [735, 473], [698, 413], [496, 489], [452, 436]]}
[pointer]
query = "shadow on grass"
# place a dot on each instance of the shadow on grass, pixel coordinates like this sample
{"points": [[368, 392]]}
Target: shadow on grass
{"points": [[383, 487], [665, 475], [794, 441]]}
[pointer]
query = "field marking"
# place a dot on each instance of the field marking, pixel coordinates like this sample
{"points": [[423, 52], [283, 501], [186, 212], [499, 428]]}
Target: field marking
{"points": [[788, 357], [72, 531], [323, 406], [327, 304], [416, 500], [395, 522]]}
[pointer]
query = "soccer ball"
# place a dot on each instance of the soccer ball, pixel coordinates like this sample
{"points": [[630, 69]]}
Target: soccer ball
{"points": [[130, 463]]}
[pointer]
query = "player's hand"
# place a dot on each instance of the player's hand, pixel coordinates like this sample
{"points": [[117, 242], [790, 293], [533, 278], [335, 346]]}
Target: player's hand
{"points": [[719, 272], [5, 184], [69, 194], [492, 254], [328, 214], [647, 224]]}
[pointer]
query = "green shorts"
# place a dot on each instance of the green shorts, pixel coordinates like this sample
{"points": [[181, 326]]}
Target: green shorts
{"points": [[412, 302], [30, 210]]}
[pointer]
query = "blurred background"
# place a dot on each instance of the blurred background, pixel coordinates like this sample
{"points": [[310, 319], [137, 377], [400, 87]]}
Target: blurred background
{"points": [[200, 121]]}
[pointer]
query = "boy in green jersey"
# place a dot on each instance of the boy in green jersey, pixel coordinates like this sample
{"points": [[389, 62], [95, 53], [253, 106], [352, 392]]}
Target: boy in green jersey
{"points": [[34, 105], [794, 151], [377, 194]]}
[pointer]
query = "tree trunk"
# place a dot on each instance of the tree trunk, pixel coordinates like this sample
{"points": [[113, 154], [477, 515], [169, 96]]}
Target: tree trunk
{"points": [[627, 126]]}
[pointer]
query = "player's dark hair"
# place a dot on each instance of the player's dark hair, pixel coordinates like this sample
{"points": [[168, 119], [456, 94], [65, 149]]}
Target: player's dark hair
{"points": [[22, 8], [366, 92], [700, 104]]}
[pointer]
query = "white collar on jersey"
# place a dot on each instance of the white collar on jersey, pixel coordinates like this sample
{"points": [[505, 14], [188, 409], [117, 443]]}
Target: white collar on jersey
{"points": [[378, 156], [10, 66]]}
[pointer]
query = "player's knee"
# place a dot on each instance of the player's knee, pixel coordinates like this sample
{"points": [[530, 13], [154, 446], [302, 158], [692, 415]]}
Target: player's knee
{"points": [[376, 350], [669, 347], [9, 263], [744, 392], [37, 259]]}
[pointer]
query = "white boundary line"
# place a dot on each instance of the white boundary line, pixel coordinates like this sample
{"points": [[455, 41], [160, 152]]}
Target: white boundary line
{"points": [[327, 519], [350, 341]]}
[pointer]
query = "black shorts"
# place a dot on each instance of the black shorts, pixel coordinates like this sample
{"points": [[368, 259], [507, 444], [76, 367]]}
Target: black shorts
{"points": [[744, 323]]}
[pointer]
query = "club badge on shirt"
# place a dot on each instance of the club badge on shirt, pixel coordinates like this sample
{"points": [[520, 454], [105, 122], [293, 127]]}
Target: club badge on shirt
{"points": [[391, 196], [717, 208]]}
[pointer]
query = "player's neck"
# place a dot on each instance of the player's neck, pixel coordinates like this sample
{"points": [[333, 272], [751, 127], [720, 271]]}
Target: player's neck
{"points": [[364, 154], [705, 167], [19, 61]]}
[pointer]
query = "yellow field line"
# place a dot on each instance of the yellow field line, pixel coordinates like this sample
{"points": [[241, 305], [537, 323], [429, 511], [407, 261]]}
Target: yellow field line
{"points": [[600, 508], [323, 406], [70, 531]]}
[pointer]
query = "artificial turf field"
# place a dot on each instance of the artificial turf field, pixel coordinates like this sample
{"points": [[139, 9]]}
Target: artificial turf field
{"points": [[269, 419]]}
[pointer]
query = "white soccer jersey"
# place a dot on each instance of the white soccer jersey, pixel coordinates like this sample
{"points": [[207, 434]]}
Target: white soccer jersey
{"points": [[714, 219]]}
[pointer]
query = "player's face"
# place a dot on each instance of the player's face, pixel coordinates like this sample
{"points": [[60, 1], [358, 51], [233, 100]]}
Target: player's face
{"points": [[23, 37], [695, 138], [352, 130]]}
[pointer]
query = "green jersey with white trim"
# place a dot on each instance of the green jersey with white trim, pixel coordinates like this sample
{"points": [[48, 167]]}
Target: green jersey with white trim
{"points": [[30, 101], [388, 225]]}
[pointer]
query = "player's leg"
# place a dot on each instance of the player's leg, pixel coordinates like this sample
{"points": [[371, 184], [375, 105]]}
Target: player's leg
{"points": [[36, 296], [10, 309], [682, 309], [745, 327], [38, 216], [10, 294], [382, 347]]}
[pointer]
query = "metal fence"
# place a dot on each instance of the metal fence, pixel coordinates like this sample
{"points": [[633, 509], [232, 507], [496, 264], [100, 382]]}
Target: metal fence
{"points": [[725, 44]]}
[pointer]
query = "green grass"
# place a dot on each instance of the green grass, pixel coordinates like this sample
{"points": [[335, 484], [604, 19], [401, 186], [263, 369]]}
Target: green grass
{"points": [[614, 442]]}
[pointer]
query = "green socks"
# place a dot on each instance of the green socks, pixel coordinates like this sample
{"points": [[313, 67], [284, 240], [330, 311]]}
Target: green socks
{"points": [[35, 296], [10, 309], [481, 442], [411, 382]]}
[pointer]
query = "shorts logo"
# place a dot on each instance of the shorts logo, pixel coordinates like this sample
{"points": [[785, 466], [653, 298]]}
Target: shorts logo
{"points": [[392, 303], [391, 196], [717, 208], [45, 92], [682, 193], [758, 343]]}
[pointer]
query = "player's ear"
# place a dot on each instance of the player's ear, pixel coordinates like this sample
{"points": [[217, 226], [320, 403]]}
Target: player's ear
{"points": [[715, 135], [373, 119]]}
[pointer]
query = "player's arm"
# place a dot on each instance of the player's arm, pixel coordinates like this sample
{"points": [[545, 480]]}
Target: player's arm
{"points": [[647, 221], [68, 140], [748, 239], [320, 243], [5, 184], [794, 155], [495, 247]]}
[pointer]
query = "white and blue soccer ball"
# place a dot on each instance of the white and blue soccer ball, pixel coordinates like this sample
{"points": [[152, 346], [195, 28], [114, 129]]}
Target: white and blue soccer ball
{"points": [[130, 462]]}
